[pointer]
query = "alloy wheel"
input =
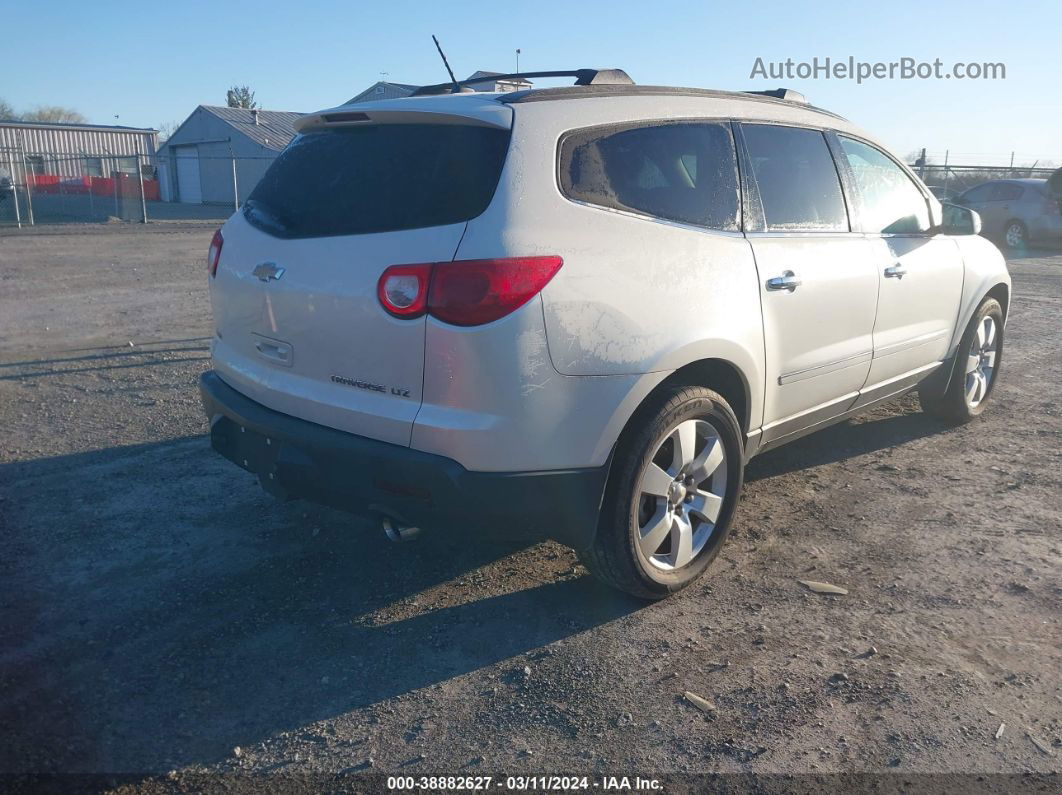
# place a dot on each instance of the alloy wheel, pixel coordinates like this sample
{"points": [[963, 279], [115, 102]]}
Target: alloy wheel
{"points": [[1015, 235], [680, 495], [981, 362]]}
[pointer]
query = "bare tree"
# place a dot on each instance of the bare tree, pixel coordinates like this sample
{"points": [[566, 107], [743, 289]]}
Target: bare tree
{"points": [[54, 113], [6, 111], [166, 129], [240, 97]]}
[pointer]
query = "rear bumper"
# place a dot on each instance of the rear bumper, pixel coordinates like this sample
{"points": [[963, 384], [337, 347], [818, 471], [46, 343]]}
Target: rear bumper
{"points": [[294, 458]]}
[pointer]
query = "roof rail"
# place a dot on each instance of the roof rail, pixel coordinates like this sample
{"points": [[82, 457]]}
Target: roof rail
{"points": [[788, 94], [583, 77]]}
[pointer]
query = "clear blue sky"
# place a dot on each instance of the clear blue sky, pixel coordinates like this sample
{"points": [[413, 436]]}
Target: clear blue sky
{"points": [[153, 63]]}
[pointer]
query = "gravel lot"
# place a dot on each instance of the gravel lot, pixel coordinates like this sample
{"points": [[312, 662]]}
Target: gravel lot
{"points": [[160, 613]]}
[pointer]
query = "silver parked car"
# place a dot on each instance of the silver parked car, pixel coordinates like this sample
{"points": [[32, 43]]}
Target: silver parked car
{"points": [[1018, 211], [583, 309]]}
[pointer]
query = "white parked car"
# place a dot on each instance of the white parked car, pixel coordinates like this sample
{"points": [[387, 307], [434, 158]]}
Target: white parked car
{"points": [[583, 309]]}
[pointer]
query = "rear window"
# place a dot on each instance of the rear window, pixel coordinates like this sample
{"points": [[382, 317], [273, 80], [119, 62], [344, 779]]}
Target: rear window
{"points": [[378, 178]]}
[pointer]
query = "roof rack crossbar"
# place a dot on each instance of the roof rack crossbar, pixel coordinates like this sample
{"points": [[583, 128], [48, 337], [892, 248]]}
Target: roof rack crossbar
{"points": [[583, 77]]}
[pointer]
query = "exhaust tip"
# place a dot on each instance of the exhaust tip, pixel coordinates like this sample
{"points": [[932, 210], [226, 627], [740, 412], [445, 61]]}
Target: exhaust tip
{"points": [[398, 533]]}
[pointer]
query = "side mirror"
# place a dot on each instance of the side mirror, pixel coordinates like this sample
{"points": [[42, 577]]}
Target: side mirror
{"points": [[958, 220]]}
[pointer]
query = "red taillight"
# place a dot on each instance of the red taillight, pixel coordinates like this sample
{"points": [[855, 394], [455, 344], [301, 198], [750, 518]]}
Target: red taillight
{"points": [[214, 253], [466, 292], [476, 291], [403, 289]]}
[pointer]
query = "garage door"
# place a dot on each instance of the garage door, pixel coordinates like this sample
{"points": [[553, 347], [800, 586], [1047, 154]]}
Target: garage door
{"points": [[188, 189]]}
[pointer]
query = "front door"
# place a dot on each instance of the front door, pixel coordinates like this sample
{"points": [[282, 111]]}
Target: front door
{"points": [[920, 273], [818, 286]]}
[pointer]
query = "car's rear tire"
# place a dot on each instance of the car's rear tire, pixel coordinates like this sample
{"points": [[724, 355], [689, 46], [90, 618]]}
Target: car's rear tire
{"points": [[671, 494], [1015, 235], [975, 370]]}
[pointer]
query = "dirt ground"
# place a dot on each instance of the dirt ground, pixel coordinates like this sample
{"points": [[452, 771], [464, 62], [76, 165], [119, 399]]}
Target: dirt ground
{"points": [[161, 613]]}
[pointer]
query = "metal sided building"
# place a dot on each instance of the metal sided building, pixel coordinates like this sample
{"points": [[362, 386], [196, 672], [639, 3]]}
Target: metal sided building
{"points": [[218, 154], [75, 150]]}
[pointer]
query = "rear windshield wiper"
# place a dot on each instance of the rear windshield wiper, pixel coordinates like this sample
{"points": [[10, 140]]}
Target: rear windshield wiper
{"points": [[256, 213]]}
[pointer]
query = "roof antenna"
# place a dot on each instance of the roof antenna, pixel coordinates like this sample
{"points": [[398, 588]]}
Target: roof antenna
{"points": [[457, 87]]}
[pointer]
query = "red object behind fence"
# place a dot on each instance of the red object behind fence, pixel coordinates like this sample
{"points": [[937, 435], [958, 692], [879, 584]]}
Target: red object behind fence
{"points": [[128, 188]]}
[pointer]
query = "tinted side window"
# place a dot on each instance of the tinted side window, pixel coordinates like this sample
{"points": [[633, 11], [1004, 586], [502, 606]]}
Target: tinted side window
{"points": [[1006, 192], [685, 171], [797, 179], [981, 193], [889, 201]]}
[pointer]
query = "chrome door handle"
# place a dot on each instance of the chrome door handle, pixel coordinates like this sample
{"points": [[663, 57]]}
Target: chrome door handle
{"points": [[895, 272], [787, 281]]}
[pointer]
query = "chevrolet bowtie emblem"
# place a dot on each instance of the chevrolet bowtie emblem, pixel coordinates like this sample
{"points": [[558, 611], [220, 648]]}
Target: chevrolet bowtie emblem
{"points": [[268, 270]]}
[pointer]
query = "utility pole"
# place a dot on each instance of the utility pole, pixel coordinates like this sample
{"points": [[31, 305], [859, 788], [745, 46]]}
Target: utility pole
{"points": [[517, 60]]}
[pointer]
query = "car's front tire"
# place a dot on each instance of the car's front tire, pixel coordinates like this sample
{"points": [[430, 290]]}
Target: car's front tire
{"points": [[975, 370], [671, 494]]}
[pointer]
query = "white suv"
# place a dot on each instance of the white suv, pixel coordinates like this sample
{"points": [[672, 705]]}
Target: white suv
{"points": [[583, 309]]}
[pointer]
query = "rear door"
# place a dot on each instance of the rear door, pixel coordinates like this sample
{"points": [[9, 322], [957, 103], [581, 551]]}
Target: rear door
{"points": [[818, 286], [920, 273], [1007, 201], [299, 326]]}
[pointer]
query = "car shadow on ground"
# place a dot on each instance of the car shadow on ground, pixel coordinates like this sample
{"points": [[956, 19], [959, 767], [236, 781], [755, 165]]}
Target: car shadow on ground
{"points": [[159, 610]]}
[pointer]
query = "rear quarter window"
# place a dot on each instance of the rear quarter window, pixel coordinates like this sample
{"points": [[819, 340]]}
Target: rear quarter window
{"points": [[677, 171], [378, 178]]}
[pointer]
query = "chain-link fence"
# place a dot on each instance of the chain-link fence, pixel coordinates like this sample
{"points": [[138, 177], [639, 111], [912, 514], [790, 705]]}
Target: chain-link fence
{"points": [[50, 188]]}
